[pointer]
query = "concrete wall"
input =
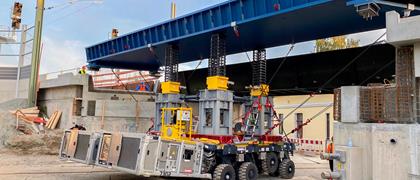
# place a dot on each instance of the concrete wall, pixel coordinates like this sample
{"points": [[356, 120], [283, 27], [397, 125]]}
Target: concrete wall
{"points": [[113, 110], [317, 129], [60, 99], [383, 159], [8, 89], [93, 123]]}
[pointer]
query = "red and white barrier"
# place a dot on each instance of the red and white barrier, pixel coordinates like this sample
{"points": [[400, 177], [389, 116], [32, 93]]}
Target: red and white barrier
{"points": [[308, 145]]}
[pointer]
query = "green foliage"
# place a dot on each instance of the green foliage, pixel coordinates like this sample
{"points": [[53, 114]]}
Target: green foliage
{"points": [[335, 43]]}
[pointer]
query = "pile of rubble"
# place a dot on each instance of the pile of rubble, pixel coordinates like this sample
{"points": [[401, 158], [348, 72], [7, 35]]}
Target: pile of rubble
{"points": [[28, 130], [46, 143], [28, 120]]}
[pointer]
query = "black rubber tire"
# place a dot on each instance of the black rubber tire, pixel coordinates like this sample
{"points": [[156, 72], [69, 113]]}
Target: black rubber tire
{"points": [[248, 171], [224, 172], [287, 169], [270, 164]]}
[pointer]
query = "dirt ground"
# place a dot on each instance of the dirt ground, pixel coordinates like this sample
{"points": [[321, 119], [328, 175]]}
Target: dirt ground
{"points": [[48, 167]]}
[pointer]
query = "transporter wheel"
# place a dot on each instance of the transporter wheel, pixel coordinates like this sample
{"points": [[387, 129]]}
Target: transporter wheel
{"points": [[248, 171], [224, 172], [287, 169], [270, 164]]}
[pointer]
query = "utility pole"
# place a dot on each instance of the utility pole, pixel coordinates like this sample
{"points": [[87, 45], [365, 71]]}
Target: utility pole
{"points": [[173, 10], [36, 54]]}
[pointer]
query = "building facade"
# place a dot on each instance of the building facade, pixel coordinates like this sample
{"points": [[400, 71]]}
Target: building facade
{"points": [[320, 127]]}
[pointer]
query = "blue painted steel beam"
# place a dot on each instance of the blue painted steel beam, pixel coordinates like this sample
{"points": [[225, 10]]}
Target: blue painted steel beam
{"points": [[261, 24]]}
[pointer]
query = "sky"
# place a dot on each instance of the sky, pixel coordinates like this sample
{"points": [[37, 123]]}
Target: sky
{"points": [[70, 27]]}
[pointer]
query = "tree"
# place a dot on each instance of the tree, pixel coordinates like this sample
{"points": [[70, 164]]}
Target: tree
{"points": [[335, 43]]}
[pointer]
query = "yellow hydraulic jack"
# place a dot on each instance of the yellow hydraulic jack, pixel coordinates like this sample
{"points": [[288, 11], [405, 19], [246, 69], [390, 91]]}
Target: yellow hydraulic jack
{"points": [[170, 87]]}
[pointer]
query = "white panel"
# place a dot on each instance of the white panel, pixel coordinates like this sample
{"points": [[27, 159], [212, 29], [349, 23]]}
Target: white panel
{"points": [[350, 104]]}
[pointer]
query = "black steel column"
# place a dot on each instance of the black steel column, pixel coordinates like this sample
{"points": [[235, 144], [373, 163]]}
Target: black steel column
{"points": [[171, 63], [217, 60]]}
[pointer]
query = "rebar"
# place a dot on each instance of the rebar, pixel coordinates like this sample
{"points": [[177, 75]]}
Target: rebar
{"points": [[217, 60], [171, 63], [259, 67]]}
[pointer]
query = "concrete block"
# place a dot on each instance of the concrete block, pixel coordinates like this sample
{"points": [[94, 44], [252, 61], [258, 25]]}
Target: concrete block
{"points": [[349, 169], [118, 108], [390, 151], [60, 93], [360, 135], [67, 79], [350, 104], [402, 31], [390, 158]]}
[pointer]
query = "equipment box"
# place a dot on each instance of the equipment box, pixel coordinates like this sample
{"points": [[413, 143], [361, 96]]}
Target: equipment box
{"points": [[120, 151], [80, 146]]}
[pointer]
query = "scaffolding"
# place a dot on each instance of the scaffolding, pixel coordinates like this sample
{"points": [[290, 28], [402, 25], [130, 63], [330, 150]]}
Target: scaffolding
{"points": [[17, 42]]}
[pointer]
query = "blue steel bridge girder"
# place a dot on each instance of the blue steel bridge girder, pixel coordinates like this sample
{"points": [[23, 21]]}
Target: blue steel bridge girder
{"points": [[245, 24]]}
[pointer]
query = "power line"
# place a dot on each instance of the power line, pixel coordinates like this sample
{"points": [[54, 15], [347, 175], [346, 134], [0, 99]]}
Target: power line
{"points": [[352, 61], [333, 77], [71, 13], [281, 63], [192, 73], [309, 120], [379, 70]]}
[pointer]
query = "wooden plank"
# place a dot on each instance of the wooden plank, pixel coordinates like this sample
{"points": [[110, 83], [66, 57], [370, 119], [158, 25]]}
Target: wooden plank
{"points": [[114, 152], [56, 119], [26, 110], [103, 115], [51, 119], [73, 143], [35, 107], [105, 147], [31, 115], [30, 111]]}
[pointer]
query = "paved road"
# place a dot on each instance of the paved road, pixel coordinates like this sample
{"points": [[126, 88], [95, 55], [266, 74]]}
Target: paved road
{"points": [[46, 167]]}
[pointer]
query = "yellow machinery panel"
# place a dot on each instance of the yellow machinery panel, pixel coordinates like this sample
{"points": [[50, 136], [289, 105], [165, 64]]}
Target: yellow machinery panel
{"points": [[217, 83], [170, 87], [179, 125], [261, 90]]}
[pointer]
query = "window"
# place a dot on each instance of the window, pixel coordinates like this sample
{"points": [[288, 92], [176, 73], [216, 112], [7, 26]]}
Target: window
{"points": [[267, 119], [77, 107], [327, 115], [188, 153], [223, 117], [299, 122], [281, 116], [91, 108], [209, 117]]}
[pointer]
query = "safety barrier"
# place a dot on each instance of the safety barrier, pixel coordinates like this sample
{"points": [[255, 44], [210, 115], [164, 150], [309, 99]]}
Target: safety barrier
{"points": [[308, 145]]}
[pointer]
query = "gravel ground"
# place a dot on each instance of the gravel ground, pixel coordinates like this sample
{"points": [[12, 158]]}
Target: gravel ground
{"points": [[48, 167]]}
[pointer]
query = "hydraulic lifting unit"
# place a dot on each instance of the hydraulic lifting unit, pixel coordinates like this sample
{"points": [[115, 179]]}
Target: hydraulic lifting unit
{"points": [[177, 148]]}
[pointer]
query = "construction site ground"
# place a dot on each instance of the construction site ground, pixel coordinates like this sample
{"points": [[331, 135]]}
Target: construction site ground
{"points": [[48, 167]]}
